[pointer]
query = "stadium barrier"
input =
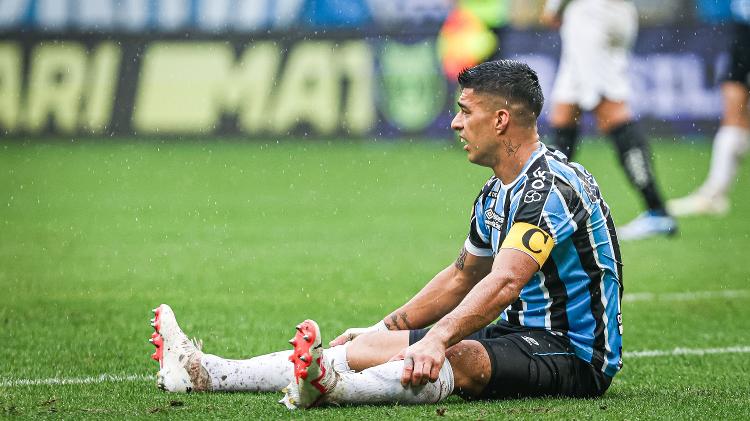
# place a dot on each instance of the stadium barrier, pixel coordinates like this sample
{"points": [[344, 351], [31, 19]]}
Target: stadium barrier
{"points": [[324, 85]]}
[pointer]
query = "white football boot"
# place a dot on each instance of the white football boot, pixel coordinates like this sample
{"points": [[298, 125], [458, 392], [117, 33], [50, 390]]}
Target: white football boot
{"points": [[699, 204], [175, 352], [314, 376]]}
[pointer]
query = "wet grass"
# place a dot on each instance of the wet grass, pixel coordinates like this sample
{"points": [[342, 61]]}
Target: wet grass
{"points": [[244, 239]]}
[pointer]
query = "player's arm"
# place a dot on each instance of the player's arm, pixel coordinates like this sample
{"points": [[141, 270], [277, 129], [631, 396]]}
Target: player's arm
{"points": [[522, 254], [441, 295], [511, 270]]}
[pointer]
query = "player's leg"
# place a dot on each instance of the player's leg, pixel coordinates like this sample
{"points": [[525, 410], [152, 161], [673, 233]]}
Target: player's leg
{"points": [[731, 141], [184, 367], [615, 119], [565, 113], [564, 119], [466, 368], [536, 363], [466, 371], [264, 373], [370, 350], [526, 364], [501, 363], [729, 146], [375, 348]]}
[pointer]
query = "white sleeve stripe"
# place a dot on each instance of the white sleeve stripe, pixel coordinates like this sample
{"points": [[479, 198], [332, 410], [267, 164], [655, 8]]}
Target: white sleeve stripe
{"points": [[476, 251]]}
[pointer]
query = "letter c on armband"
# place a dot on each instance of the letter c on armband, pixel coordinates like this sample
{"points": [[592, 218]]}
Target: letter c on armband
{"points": [[531, 240]]}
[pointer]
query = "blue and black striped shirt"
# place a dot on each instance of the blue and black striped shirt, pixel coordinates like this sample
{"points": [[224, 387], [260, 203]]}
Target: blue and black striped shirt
{"points": [[578, 289]]}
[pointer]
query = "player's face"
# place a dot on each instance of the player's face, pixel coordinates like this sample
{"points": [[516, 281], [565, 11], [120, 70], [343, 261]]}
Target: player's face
{"points": [[474, 124]]}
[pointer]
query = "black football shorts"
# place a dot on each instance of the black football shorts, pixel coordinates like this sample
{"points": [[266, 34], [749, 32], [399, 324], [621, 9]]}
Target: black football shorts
{"points": [[739, 64], [527, 363]]}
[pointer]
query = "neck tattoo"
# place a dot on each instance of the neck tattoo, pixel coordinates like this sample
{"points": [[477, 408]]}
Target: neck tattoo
{"points": [[510, 149]]}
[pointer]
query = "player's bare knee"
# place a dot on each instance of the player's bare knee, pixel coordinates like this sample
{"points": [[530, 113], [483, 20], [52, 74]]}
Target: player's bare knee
{"points": [[564, 115], [371, 349], [471, 368], [611, 114], [387, 339], [735, 97]]}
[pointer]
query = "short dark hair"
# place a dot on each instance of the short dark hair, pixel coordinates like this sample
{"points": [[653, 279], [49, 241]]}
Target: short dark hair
{"points": [[513, 80]]}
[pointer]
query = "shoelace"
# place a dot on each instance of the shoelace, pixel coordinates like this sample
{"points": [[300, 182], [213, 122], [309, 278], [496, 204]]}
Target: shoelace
{"points": [[198, 343], [188, 343]]}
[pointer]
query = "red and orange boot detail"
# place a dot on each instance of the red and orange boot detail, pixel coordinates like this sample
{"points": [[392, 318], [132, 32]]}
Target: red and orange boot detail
{"points": [[175, 352], [313, 375]]}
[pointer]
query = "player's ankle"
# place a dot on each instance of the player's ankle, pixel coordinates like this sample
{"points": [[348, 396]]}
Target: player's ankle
{"points": [[199, 376]]}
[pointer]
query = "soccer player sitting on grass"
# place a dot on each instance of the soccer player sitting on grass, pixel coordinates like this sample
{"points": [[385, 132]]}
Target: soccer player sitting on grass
{"points": [[541, 254]]}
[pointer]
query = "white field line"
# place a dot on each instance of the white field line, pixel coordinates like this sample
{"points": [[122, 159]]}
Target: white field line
{"points": [[685, 296], [55, 381], [110, 378], [687, 351]]}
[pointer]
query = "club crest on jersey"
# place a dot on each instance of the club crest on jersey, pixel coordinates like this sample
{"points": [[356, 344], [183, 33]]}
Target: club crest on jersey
{"points": [[493, 220]]}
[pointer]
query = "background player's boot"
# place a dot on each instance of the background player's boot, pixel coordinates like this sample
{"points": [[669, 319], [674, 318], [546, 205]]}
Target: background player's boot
{"points": [[699, 204], [648, 224], [314, 376], [178, 356]]}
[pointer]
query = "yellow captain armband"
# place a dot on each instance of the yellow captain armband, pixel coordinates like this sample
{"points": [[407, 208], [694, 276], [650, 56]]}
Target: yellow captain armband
{"points": [[531, 240]]}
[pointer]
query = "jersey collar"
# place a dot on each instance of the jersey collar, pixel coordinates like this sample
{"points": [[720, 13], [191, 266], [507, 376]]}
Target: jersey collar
{"points": [[534, 156]]}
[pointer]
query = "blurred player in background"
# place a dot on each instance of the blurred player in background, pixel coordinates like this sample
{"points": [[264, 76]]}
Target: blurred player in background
{"points": [[597, 36], [541, 254], [731, 141]]}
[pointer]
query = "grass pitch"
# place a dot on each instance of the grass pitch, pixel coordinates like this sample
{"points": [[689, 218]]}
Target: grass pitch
{"points": [[244, 240]]}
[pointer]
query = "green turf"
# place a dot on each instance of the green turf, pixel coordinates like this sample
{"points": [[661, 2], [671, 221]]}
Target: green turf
{"points": [[247, 239]]}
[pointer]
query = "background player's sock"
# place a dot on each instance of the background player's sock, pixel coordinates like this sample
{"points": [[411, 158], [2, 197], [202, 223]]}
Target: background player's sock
{"points": [[730, 144], [635, 157], [382, 384], [566, 140], [265, 373]]}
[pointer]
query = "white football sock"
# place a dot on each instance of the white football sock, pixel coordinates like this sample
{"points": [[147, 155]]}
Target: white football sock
{"points": [[265, 373], [382, 384], [730, 144], [336, 357]]}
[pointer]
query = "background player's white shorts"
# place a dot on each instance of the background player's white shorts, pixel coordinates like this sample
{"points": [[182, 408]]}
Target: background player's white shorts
{"points": [[597, 36]]}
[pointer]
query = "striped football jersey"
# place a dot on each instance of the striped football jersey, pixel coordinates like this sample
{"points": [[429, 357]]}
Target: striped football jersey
{"points": [[553, 211]]}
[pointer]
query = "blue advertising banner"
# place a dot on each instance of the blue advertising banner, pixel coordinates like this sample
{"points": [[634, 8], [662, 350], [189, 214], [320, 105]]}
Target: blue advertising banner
{"points": [[216, 16], [314, 85]]}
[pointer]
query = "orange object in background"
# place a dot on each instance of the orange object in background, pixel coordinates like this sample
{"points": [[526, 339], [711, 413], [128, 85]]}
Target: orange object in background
{"points": [[464, 40]]}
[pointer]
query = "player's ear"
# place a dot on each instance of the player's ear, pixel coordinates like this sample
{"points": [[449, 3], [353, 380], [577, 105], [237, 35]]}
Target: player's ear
{"points": [[502, 118]]}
